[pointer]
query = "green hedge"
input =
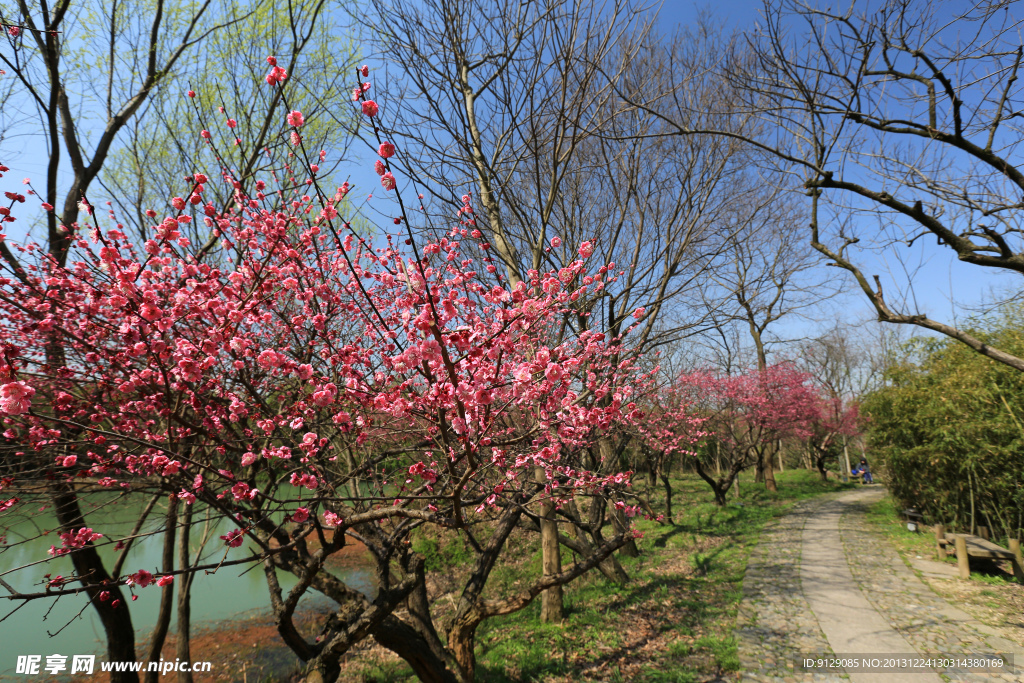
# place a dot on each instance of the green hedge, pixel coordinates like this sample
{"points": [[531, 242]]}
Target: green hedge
{"points": [[947, 430]]}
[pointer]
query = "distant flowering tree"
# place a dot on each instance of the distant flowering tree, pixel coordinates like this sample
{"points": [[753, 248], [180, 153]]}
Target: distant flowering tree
{"points": [[670, 428], [747, 414], [312, 385], [834, 421]]}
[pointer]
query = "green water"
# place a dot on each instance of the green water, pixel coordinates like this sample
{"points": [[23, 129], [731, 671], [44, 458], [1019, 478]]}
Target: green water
{"points": [[61, 626]]}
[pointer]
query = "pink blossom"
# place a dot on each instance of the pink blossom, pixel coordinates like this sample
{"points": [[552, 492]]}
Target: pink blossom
{"points": [[387, 150], [295, 118], [14, 31], [141, 578], [191, 93], [370, 108], [150, 311], [586, 249], [249, 458], [79, 537], [232, 123], [165, 580], [233, 539], [388, 181], [277, 75], [556, 242], [364, 70], [331, 518], [553, 372], [16, 398], [69, 461], [379, 167], [187, 497], [47, 206], [300, 515], [639, 312], [421, 470]]}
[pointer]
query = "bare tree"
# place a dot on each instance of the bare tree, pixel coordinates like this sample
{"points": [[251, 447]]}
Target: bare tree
{"points": [[769, 274], [899, 123], [227, 79]]}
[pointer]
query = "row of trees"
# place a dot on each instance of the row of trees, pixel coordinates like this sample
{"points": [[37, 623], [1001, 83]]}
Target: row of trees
{"points": [[720, 425]]}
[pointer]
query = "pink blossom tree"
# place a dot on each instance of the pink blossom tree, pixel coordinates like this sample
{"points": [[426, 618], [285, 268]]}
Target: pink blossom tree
{"points": [[311, 385], [834, 421], [747, 414], [670, 428]]}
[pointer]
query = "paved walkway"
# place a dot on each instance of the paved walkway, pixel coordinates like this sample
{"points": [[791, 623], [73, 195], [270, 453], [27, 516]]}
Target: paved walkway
{"points": [[820, 582]]}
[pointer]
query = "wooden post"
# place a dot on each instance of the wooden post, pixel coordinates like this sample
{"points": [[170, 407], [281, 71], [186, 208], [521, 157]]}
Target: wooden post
{"points": [[983, 532], [1018, 560], [961, 557], [846, 459], [940, 536]]}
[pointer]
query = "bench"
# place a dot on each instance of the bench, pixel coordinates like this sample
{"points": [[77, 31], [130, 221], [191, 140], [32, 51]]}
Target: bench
{"points": [[968, 545]]}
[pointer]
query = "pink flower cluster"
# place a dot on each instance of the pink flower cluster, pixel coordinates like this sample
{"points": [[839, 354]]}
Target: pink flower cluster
{"points": [[71, 540], [16, 398], [277, 74]]}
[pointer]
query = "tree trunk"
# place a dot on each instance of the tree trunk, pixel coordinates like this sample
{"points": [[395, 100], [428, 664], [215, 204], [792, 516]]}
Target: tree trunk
{"points": [[719, 487], [412, 647], [462, 644], [619, 523], [610, 567], [668, 497], [767, 457], [552, 609], [183, 645], [618, 520], [163, 619], [117, 621]]}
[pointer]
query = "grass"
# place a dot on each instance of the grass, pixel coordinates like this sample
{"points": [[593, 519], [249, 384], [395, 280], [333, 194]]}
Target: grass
{"points": [[884, 517], [672, 623]]}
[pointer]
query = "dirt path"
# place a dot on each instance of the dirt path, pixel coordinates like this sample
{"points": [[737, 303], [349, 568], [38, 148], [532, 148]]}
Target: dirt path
{"points": [[821, 583]]}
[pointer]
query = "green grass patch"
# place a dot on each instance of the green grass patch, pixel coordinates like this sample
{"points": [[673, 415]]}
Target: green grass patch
{"points": [[672, 623], [884, 516]]}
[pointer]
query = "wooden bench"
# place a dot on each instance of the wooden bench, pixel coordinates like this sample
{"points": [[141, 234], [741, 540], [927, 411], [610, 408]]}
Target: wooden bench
{"points": [[967, 545]]}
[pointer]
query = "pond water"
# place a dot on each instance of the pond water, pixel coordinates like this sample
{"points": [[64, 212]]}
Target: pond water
{"points": [[62, 626]]}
